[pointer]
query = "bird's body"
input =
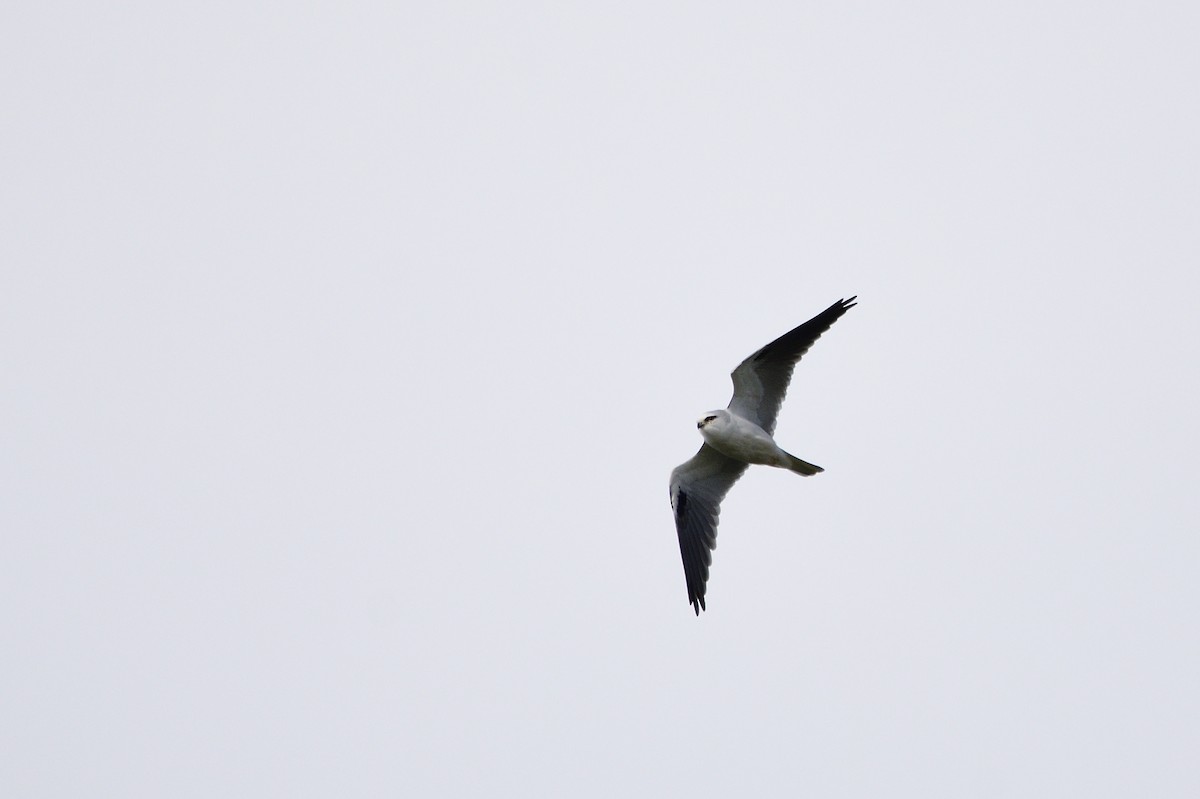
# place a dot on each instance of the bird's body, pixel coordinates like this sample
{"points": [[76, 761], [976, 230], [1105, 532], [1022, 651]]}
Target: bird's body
{"points": [[736, 437], [743, 440]]}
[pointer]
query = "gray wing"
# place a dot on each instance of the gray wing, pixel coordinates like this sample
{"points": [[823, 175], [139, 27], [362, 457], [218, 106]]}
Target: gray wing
{"points": [[761, 381], [697, 488]]}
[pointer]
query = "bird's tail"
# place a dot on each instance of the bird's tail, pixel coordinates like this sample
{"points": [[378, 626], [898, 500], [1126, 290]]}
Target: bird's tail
{"points": [[801, 467]]}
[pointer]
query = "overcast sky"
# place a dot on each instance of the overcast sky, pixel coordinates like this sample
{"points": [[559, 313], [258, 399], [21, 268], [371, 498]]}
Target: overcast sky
{"points": [[347, 348]]}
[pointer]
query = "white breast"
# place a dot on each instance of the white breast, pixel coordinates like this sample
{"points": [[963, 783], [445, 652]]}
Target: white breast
{"points": [[742, 439]]}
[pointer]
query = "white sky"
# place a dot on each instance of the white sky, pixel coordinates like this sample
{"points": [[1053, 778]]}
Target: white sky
{"points": [[347, 349]]}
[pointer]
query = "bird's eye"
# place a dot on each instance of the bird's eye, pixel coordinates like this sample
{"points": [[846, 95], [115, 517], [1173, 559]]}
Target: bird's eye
{"points": [[709, 418]]}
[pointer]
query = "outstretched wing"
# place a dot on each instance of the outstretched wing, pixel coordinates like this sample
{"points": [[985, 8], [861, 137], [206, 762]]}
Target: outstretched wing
{"points": [[697, 488], [761, 381]]}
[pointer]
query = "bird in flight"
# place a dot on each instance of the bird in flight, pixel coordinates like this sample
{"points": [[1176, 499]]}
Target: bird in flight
{"points": [[735, 438]]}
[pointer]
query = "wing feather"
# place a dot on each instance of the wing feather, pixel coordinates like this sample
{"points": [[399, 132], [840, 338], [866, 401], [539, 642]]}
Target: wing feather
{"points": [[697, 488], [761, 381]]}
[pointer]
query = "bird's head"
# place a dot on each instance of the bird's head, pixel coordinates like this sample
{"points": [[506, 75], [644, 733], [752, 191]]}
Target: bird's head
{"points": [[716, 418]]}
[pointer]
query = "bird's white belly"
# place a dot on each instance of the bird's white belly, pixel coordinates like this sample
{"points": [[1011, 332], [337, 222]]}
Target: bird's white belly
{"points": [[744, 441]]}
